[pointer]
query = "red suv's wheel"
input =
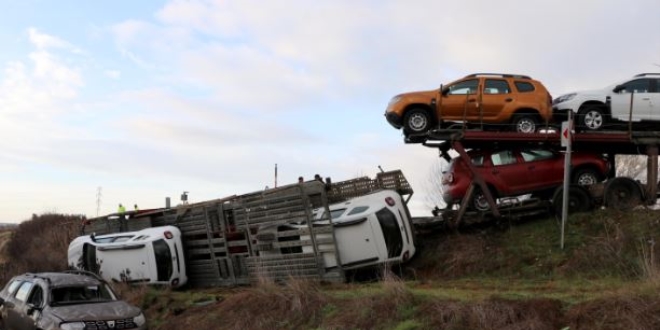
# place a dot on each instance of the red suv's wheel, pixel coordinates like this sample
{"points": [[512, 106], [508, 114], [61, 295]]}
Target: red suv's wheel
{"points": [[586, 177], [479, 201]]}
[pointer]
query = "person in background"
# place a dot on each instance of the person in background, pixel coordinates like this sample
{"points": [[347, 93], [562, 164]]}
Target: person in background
{"points": [[121, 209], [318, 178], [135, 208], [300, 179]]}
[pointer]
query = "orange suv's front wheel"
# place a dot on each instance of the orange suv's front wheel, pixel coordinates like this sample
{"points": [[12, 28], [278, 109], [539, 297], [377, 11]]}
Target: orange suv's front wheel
{"points": [[417, 120]]}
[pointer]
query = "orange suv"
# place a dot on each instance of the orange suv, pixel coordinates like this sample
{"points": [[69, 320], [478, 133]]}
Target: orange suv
{"points": [[510, 101]]}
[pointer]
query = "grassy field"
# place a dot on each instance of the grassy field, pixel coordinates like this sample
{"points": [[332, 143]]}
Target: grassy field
{"points": [[511, 277], [501, 277]]}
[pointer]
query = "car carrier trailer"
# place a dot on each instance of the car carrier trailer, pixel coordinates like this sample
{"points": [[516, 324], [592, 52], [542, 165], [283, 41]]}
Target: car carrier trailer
{"points": [[230, 241], [620, 193]]}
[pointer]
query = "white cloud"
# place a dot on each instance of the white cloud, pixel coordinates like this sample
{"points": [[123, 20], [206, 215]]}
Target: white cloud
{"points": [[44, 41], [113, 74]]}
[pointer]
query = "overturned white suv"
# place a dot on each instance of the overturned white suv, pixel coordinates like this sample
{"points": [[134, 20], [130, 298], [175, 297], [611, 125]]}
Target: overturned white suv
{"points": [[633, 100]]}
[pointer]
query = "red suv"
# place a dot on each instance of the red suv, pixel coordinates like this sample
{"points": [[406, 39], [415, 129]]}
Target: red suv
{"points": [[514, 172]]}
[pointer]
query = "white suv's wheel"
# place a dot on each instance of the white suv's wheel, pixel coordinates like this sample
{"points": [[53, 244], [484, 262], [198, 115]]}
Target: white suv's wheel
{"points": [[592, 118]]}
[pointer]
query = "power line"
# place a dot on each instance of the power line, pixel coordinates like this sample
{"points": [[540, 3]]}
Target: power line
{"points": [[98, 201]]}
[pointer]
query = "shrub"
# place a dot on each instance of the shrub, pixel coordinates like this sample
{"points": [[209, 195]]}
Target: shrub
{"points": [[39, 245]]}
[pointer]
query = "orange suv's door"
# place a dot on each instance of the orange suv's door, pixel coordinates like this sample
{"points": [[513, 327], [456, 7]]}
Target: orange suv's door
{"points": [[453, 101], [496, 94]]}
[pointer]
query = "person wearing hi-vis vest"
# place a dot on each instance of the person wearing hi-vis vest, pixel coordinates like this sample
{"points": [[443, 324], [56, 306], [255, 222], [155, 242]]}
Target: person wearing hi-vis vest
{"points": [[121, 210]]}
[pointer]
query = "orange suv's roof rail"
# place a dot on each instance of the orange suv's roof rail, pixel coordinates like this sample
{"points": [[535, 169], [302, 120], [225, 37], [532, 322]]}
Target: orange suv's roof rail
{"points": [[503, 75]]}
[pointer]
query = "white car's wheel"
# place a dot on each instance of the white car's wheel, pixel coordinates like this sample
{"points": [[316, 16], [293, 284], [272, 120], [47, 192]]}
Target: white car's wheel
{"points": [[592, 118]]}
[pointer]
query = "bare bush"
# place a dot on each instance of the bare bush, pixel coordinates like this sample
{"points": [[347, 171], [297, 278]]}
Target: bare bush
{"points": [[40, 244]]}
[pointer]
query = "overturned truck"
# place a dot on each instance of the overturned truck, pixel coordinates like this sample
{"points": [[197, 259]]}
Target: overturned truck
{"points": [[308, 230]]}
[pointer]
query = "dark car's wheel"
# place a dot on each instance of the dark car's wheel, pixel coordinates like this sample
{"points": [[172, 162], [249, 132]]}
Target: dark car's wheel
{"points": [[525, 123], [591, 117], [586, 177], [417, 121]]}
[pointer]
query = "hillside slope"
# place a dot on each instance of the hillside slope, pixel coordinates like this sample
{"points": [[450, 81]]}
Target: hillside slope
{"points": [[500, 277], [503, 277]]}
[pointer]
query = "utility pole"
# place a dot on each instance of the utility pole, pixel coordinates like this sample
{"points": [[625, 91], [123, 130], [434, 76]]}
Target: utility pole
{"points": [[275, 175], [98, 201]]}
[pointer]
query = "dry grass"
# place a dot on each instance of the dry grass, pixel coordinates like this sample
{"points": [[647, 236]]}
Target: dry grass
{"points": [[640, 313], [494, 313]]}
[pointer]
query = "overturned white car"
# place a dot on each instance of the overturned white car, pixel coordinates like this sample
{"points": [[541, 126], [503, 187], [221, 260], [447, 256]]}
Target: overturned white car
{"points": [[371, 230], [152, 256]]}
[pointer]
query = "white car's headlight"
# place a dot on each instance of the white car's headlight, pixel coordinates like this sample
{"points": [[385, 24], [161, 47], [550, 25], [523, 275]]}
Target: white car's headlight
{"points": [[564, 98], [140, 320], [72, 326]]}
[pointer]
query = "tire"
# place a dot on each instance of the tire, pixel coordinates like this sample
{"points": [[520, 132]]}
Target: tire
{"points": [[586, 177], [623, 194], [578, 200], [592, 118], [479, 201], [525, 123], [417, 121]]}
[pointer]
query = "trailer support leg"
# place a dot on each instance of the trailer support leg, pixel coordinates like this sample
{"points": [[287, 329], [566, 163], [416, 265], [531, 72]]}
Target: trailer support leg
{"points": [[652, 174], [477, 179]]}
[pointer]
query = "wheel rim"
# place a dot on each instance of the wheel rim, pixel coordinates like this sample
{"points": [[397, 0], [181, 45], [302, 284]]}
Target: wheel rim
{"points": [[587, 179], [526, 125], [593, 119], [417, 122], [481, 203]]}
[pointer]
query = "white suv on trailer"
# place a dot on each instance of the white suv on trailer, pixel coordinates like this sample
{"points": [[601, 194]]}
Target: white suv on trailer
{"points": [[633, 100]]}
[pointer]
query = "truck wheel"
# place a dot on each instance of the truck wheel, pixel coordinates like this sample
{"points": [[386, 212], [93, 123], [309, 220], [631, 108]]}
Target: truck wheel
{"points": [[592, 117], [417, 121], [524, 123], [622, 194], [578, 200], [586, 177]]}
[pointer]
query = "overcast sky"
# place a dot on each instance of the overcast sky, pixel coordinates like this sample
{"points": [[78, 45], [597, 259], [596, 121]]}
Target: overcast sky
{"points": [[147, 99]]}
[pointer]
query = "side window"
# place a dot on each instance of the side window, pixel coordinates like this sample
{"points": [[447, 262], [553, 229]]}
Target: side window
{"points": [[505, 157], [534, 155], [496, 86], [463, 87], [23, 291], [13, 286], [478, 160], [637, 86], [37, 296], [524, 87]]}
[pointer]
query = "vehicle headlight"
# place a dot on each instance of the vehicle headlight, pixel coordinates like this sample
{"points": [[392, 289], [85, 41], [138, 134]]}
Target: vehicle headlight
{"points": [[140, 320], [72, 326], [564, 98]]}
